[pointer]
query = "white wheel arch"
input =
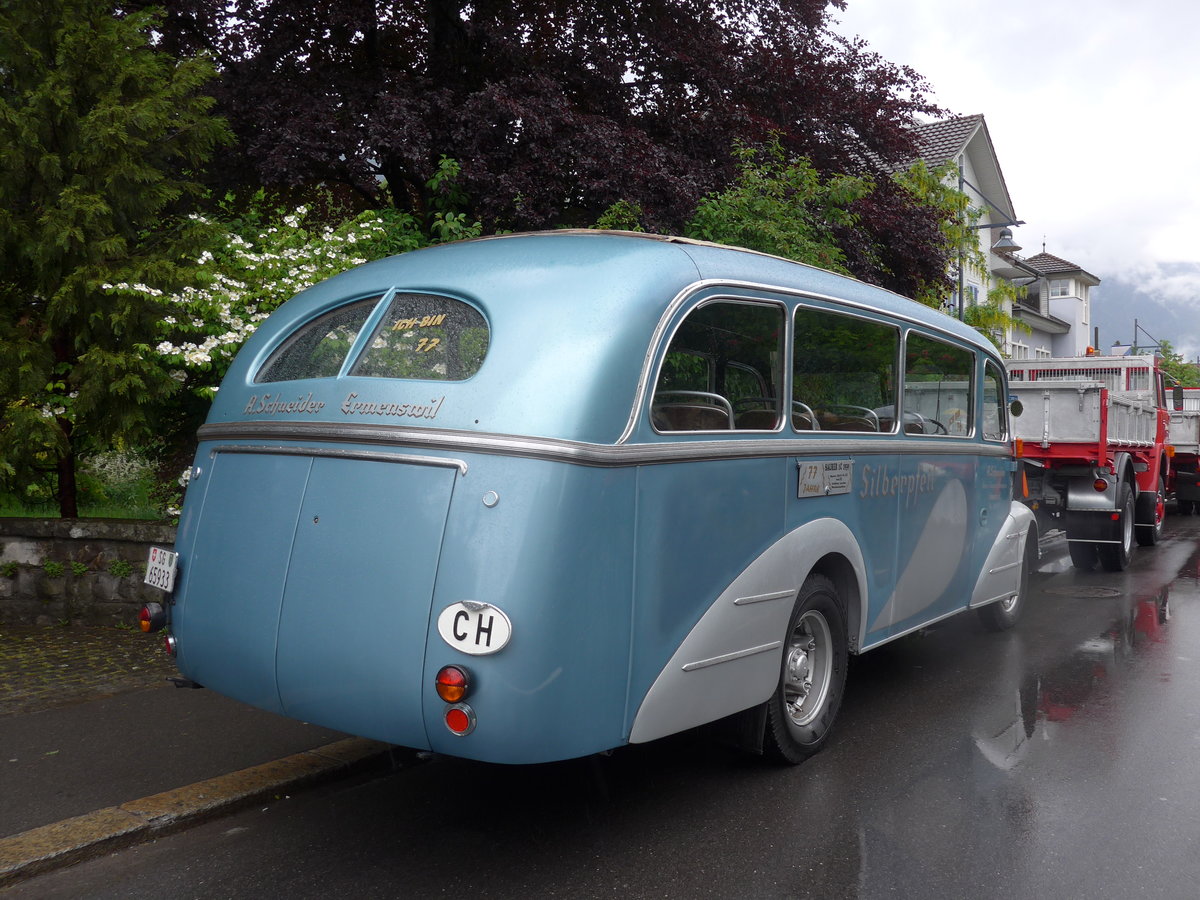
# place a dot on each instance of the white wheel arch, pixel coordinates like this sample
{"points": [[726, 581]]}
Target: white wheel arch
{"points": [[730, 659]]}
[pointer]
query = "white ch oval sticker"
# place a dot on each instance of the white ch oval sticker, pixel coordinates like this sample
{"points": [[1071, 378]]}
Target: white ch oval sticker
{"points": [[475, 628]]}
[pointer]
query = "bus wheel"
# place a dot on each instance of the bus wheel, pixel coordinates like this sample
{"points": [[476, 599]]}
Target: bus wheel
{"points": [[812, 676], [1151, 512], [1115, 557], [1003, 614]]}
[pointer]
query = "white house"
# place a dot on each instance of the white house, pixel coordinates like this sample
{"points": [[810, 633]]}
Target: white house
{"points": [[1056, 306], [1057, 309]]}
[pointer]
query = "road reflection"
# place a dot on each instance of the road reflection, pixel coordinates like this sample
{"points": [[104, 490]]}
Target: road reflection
{"points": [[1056, 695], [1055, 717]]}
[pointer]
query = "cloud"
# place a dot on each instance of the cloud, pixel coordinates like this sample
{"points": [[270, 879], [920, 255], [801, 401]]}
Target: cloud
{"points": [[1089, 108], [1177, 284]]}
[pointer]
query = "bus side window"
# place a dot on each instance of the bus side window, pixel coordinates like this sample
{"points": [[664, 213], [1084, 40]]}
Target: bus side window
{"points": [[995, 406], [938, 387], [722, 370], [844, 375]]}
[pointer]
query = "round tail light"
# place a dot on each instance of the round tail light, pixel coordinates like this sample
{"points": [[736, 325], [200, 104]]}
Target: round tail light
{"points": [[152, 617], [452, 684], [460, 719], [170, 645]]}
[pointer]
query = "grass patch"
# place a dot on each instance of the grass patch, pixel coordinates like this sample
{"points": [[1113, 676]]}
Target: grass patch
{"points": [[86, 511], [113, 485]]}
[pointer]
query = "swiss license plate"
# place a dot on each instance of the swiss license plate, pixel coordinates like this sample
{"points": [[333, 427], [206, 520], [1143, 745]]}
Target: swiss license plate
{"points": [[160, 569]]}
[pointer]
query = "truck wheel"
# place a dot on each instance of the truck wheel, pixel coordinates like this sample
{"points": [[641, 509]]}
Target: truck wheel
{"points": [[1115, 557], [812, 676], [1151, 512], [1083, 555]]}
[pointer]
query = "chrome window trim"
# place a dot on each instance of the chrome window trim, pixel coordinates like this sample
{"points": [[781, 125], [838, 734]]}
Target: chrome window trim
{"points": [[597, 455], [709, 301], [280, 343], [645, 381], [863, 316], [972, 413]]}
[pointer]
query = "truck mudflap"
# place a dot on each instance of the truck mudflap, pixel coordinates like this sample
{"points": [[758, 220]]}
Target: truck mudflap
{"points": [[311, 596]]}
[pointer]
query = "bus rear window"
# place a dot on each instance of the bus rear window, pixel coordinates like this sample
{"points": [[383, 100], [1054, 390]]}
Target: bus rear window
{"points": [[425, 336], [318, 349], [419, 336]]}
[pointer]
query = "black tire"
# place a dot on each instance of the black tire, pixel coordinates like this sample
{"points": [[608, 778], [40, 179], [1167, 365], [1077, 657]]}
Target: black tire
{"points": [[1004, 614], [1115, 557], [1152, 509], [1083, 555], [812, 675]]}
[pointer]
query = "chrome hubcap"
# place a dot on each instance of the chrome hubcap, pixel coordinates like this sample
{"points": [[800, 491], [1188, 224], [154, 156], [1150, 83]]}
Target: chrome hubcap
{"points": [[808, 668]]}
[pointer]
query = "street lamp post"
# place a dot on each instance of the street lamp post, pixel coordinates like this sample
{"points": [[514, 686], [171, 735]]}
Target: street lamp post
{"points": [[1004, 244]]}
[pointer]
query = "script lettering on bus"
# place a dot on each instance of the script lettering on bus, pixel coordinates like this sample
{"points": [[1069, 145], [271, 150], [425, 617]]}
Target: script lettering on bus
{"points": [[352, 406], [274, 404], [419, 322], [881, 481]]}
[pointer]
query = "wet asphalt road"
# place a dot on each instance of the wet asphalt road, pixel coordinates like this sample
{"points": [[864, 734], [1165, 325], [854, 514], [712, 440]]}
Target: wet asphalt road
{"points": [[1058, 760]]}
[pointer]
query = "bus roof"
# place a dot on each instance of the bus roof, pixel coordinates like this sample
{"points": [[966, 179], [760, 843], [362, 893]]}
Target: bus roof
{"points": [[571, 316]]}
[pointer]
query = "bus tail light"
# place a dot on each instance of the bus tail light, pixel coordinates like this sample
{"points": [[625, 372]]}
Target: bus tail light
{"points": [[460, 719], [152, 617], [171, 645], [452, 684]]}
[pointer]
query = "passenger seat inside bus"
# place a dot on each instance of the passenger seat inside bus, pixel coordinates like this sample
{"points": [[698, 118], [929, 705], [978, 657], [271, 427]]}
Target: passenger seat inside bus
{"points": [[691, 417]]}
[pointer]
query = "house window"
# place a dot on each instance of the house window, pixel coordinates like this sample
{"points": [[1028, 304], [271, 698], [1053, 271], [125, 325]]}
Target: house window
{"points": [[1060, 287]]}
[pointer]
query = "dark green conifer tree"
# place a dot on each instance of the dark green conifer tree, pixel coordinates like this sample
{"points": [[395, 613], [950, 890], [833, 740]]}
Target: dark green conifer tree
{"points": [[101, 139]]}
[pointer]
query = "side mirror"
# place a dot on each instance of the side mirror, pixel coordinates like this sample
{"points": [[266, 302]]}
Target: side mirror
{"points": [[1016, 407], [1177, 397]]}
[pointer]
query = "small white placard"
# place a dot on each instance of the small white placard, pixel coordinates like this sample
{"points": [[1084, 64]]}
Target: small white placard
{"points": [[824, 477]]}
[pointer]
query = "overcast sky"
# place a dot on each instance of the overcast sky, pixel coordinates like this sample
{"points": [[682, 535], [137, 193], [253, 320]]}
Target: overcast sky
{"points": [[1093, 109]]}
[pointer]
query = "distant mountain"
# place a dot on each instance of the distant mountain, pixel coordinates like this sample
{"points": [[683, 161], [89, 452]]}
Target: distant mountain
{"points": [[1159, 304]]}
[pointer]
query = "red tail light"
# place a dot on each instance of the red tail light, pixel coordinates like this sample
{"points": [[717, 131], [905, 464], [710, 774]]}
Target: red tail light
{"points": [[460, 719], [152, 617]]}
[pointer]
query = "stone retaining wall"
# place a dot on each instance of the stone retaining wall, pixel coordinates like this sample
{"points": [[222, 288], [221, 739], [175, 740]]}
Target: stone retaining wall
{"points": [[78, 571]]}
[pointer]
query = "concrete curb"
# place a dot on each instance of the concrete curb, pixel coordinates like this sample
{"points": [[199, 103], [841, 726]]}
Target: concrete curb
{"points": [[72, 840]]}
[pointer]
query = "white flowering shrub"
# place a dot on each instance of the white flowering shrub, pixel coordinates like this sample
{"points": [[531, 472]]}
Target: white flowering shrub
{"points": [[246, 275], [239, 284]]}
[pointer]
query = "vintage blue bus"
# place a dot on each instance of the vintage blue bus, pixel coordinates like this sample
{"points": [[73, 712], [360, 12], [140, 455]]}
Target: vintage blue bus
{"points": [[532, 497]]}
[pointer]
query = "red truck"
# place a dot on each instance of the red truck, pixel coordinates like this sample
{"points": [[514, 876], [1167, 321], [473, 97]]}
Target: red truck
{"points": [[1184, 431], [1094, 451]]}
